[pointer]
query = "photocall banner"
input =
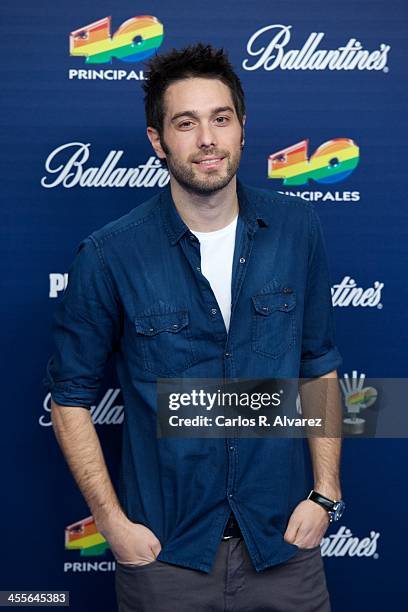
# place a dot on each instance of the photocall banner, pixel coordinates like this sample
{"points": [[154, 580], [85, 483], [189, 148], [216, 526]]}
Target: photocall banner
{"points": [[326, 97]]}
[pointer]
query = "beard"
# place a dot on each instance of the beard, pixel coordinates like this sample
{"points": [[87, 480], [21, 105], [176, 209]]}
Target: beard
{"points": [[214, 181]]}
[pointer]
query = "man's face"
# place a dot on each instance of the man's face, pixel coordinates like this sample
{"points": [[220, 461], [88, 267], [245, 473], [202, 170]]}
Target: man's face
{"points": [[202, 136]]}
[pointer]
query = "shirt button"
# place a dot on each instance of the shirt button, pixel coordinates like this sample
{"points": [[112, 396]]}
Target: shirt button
{"points": [[175, 326], [192, 237], [230, 495], [242, 260], [213, 311], [227, 354], [151, 329], [198, 269], [287, 290], [231, 448]]}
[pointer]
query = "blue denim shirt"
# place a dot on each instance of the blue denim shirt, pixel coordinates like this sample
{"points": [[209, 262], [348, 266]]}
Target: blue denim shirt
{"points": [[136, 291]]}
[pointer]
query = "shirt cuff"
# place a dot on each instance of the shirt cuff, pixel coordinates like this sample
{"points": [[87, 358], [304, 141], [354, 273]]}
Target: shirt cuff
{"points": [[318, 366], [65, 398], [68, 395]]}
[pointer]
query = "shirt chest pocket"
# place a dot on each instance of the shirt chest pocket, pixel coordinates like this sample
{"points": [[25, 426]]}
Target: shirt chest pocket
{"points": [[164, 337], [274, 322]]}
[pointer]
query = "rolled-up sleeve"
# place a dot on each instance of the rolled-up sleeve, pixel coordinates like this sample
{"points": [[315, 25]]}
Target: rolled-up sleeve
{"points": [[319, 354], [86, 328]]}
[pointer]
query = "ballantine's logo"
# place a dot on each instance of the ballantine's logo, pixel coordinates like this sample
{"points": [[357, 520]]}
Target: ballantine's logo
{"points": [[343, 543], [70, 172], [346, 293], [135, 40], [271, 55], [332, 162], [107, 412]]}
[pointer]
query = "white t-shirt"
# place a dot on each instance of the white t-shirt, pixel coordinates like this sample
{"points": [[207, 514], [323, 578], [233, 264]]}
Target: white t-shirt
{"points": [[217, 252]]}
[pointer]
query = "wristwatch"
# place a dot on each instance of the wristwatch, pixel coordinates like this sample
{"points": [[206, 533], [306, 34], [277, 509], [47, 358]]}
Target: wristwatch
{"points": [[335, 507]]}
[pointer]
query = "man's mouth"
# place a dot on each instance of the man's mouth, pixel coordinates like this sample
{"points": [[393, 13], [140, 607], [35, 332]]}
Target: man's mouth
{"points": [[209, 162]]}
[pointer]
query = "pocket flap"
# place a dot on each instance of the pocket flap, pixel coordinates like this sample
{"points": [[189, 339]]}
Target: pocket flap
{"points": [[152, 324], [269, 302]]}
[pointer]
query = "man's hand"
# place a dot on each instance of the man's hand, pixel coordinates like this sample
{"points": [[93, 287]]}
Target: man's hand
{"points": [[131, 543], [307, 524]]}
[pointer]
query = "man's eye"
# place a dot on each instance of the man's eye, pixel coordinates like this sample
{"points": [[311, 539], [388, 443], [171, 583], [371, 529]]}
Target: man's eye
{"points": [[221, 120], [185, 124]]}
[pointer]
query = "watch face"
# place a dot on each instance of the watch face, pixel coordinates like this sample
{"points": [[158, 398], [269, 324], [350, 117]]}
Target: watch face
{"points": [[338, 510]]}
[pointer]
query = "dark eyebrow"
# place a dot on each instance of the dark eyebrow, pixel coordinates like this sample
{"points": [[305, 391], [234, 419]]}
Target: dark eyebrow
{"points": [[194, 114]]}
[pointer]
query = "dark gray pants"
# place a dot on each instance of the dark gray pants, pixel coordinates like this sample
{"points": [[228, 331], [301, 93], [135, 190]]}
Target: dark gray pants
{"points": [[233, 585]]}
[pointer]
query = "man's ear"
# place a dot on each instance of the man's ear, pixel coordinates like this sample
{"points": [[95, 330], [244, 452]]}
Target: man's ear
{"points": [[243, 131], [153, 136]]}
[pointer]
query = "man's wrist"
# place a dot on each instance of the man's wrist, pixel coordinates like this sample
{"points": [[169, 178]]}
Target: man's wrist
{"points": [[329, 490], [334, 506], [108, 519]]}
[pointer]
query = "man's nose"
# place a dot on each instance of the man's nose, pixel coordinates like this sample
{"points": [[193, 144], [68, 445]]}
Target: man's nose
{"points": [[206, 137]]}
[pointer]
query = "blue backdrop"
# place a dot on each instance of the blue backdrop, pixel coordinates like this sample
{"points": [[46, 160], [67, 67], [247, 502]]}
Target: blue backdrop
{"points": [[328, 77]]}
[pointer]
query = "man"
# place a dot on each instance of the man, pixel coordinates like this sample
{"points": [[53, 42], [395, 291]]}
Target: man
{"points": [[208, 279]]}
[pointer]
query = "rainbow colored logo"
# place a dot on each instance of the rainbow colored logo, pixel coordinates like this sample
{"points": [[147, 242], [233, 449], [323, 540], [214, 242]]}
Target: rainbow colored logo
{"points": [[135, 40], [332, 162], [84, 536]]}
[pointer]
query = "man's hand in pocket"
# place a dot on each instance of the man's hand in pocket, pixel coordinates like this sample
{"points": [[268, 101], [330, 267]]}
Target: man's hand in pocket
{"points": [[131, 543], [307, 525]]}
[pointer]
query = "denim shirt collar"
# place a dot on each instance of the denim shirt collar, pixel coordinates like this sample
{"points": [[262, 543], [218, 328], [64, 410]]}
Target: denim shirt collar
{"points": [[176, 228]]}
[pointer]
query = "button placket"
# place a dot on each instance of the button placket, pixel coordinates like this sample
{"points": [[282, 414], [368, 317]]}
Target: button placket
{"points": [[191, 248], [239, 271]]}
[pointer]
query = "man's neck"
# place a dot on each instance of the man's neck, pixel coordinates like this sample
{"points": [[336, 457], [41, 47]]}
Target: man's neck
{"points": [[206, 213]]}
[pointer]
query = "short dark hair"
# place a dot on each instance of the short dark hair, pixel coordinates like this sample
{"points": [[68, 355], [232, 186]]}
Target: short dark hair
{"points": [[193, 61]]}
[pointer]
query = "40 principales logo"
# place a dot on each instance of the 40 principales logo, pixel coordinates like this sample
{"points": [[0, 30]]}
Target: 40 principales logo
{"points": [[84, 537], [332, 162], [134, 41], [357, 397]]}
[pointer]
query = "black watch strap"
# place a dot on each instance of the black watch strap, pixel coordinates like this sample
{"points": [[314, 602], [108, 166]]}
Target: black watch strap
{"points": [[327, 503]]}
